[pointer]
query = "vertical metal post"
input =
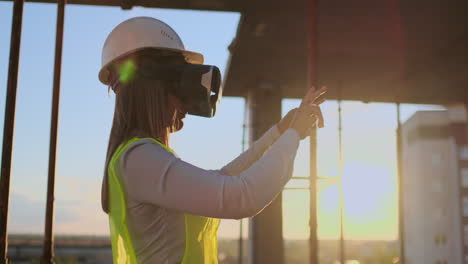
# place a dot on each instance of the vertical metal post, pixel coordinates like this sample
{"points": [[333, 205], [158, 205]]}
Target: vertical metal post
{"points": [[401, 222], [267, 226], [241, 242], [241, 222], [462, 195], [313, 79], [8, 130], [313, 239], [48, 249], [340, 185]]}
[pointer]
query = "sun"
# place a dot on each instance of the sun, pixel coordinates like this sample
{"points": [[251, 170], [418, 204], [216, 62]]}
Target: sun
{"points": [[370, 204]]}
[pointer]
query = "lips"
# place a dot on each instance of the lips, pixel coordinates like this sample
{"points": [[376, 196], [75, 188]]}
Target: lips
{"points": [[179, 125]]}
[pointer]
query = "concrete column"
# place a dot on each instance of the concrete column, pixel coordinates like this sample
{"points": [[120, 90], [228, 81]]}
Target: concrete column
{"points": [[266, 229]]}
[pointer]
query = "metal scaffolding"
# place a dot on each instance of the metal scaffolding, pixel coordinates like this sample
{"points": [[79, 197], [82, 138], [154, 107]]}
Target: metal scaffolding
{"points": [[48, 250], [8, 130], [401, 222], [264, 105], [340, 186]]}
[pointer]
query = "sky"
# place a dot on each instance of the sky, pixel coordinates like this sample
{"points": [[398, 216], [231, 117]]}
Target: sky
{"points": [[369, 151]]}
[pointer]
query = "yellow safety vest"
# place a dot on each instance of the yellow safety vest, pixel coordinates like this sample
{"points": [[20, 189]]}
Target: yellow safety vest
{"points": [[201, 242]]}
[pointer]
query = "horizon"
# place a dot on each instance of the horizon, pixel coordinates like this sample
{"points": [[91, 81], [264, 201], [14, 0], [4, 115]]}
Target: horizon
{"points": [[63, 236]]}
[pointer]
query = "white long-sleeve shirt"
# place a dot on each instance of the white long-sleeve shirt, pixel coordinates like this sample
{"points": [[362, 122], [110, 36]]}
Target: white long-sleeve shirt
{"points": [[161, 187]]}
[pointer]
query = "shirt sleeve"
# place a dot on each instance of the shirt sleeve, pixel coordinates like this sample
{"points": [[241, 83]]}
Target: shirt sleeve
{"points": [[245, 159], [153, 175]]}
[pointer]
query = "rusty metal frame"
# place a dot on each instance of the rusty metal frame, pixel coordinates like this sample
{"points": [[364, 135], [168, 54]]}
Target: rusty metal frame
{"points": [[48, 249], [313, 80], [228, 6], [8, 130], [342, 246], [401, 210], [10, 110]]}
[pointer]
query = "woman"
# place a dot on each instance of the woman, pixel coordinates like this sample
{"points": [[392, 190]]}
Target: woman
{"points": [[162, 209]]}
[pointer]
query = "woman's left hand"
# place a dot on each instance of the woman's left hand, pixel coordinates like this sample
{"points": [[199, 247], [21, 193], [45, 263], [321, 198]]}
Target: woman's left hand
{"points": [[310, 98]]}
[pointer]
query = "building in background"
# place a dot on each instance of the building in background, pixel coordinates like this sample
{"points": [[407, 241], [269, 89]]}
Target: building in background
{"points": [[435, 187]]}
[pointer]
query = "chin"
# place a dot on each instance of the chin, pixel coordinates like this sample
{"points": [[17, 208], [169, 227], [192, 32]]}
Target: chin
{"points": [[180, 125]]}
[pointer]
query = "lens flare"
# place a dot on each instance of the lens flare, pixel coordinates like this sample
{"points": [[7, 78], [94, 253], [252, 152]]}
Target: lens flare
{"points": [[127, 71]]}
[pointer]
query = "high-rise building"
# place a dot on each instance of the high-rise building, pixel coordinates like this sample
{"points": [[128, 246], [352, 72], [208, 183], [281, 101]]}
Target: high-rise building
{"points": [[435, 187]]}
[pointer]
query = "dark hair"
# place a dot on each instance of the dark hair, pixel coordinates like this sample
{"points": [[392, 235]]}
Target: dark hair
{"points": [[142, 108]]}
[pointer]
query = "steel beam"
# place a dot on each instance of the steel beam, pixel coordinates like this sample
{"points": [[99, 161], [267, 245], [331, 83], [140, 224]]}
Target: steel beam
{"points": [[401, 209], [48, 249], [313, 80], [240, 259], [8, 130], [462, 194], [229, 6], [313, 239], [340, 185]]}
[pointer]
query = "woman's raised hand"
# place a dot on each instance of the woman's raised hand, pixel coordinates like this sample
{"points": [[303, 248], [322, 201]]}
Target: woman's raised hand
{"points": [[305, 117], [314, 97]]}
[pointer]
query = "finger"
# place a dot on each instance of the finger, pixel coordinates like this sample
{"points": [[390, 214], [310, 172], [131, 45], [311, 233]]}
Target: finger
{"points": [[309, 108], [319, 101], [321, 122], [308, 97], [317, 112], [315, 121], [319, 115], [313, 96], [317, 95]]}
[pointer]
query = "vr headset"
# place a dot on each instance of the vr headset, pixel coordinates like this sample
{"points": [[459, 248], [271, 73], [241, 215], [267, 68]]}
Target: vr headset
{"points": [[197, 86]]}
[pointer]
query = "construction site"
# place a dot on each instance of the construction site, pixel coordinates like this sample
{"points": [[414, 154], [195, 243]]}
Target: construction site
{"points": [[386, 180]]}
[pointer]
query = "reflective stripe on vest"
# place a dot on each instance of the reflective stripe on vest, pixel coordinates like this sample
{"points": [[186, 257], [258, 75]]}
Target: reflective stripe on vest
{"points": [[201, 243]]}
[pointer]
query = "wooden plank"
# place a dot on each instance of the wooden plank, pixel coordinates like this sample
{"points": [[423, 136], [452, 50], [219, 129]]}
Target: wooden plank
{"points": [[208, 5]]}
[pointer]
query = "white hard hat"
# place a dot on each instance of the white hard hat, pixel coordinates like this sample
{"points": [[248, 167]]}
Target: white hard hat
{"points": [[140, 33]]}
